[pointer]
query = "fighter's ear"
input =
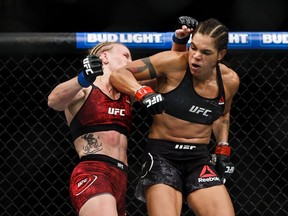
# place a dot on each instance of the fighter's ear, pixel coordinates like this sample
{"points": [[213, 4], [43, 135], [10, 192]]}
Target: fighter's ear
{"points": [[221, 54], [104, 58]]}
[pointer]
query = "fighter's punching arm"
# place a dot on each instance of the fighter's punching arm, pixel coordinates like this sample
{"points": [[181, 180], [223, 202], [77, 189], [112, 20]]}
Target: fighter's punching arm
{"points": [[125, 80]]}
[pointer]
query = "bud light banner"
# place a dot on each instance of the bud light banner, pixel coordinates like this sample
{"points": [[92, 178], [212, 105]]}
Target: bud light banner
{"points": [[163, 40]]}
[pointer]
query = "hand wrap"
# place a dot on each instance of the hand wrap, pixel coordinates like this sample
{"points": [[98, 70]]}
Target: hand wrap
{"points": [[92, 68], [153, 102]]}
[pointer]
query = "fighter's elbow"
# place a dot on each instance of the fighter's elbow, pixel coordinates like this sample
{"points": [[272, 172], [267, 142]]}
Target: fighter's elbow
{"points": [[52, 103]]}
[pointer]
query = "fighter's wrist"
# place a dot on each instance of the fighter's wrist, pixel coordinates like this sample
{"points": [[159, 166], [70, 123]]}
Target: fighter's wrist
{"points": [[223, 150], [223, 143], [142, 91], [82, 80], [180, 41]]}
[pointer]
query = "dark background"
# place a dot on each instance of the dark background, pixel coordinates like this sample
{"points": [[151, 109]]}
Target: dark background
{"points": [[36, 155], [138, 15]]}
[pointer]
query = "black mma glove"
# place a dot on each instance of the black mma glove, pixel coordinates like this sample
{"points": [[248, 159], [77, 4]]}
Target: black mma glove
{"points": [[152, 101], [224, 166], [186, 20], [92, 68], [190, 23]]}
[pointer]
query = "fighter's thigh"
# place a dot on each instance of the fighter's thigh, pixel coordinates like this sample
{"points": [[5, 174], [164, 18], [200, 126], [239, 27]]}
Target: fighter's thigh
{"points": [[211, 201], [100, 205], [162, 200]]}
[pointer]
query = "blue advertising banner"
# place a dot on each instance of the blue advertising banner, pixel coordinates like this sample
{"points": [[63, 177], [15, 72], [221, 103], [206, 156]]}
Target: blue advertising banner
{"points": [[162, 40]]}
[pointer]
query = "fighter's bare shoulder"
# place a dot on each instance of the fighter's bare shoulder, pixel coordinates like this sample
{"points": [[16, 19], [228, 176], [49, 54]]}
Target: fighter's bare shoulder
{"points": [[230, 77], [170, 58]]}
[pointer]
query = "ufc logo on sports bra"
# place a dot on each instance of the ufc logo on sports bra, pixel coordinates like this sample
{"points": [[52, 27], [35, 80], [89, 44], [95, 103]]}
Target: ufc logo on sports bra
{"points": [[200, 110], [116, 111]]}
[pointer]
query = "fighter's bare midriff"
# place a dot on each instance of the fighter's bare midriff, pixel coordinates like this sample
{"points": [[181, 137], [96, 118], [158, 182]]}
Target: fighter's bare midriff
{"points": [[167, 127], [110, 143]]}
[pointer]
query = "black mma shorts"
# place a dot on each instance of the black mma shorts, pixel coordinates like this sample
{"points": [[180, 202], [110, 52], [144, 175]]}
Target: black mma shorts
{"points": [[185, 167]]}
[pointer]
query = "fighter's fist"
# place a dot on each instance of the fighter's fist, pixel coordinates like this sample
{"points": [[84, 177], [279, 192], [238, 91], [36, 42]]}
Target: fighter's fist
{"points": [[187, 21], [224, 166], [184, 27], [92, 67], [152, 101]]}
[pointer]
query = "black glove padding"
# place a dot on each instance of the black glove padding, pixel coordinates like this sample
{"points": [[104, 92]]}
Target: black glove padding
{"points": [[154, 103], [186, 20], [224, 166], [92, 66]]}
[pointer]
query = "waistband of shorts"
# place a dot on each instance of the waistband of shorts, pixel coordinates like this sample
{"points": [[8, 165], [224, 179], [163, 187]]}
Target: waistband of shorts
{"points": [[176, 145], [107, 159], [176, 150]]}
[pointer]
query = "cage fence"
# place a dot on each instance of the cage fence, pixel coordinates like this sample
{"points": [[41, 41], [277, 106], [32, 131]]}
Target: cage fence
{"points": [[37, 155]]}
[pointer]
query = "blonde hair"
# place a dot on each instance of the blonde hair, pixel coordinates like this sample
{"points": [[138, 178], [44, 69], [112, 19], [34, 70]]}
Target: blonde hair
{"points": [[102, 47]]}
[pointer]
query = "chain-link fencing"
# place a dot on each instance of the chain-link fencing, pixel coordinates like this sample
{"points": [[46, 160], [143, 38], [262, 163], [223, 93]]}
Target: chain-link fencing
{"points": [[37, 155]]}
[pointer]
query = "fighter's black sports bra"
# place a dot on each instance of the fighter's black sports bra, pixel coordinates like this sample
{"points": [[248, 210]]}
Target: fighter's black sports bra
{"points": [[184, 103]]}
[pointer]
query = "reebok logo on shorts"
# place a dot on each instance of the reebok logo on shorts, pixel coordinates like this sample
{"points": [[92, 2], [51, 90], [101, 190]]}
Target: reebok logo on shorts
{"points": [[85, 183], [207, 175]]}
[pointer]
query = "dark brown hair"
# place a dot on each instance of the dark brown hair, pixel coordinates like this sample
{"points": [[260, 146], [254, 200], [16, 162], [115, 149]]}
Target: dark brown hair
{"points": [[213, 28]]}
